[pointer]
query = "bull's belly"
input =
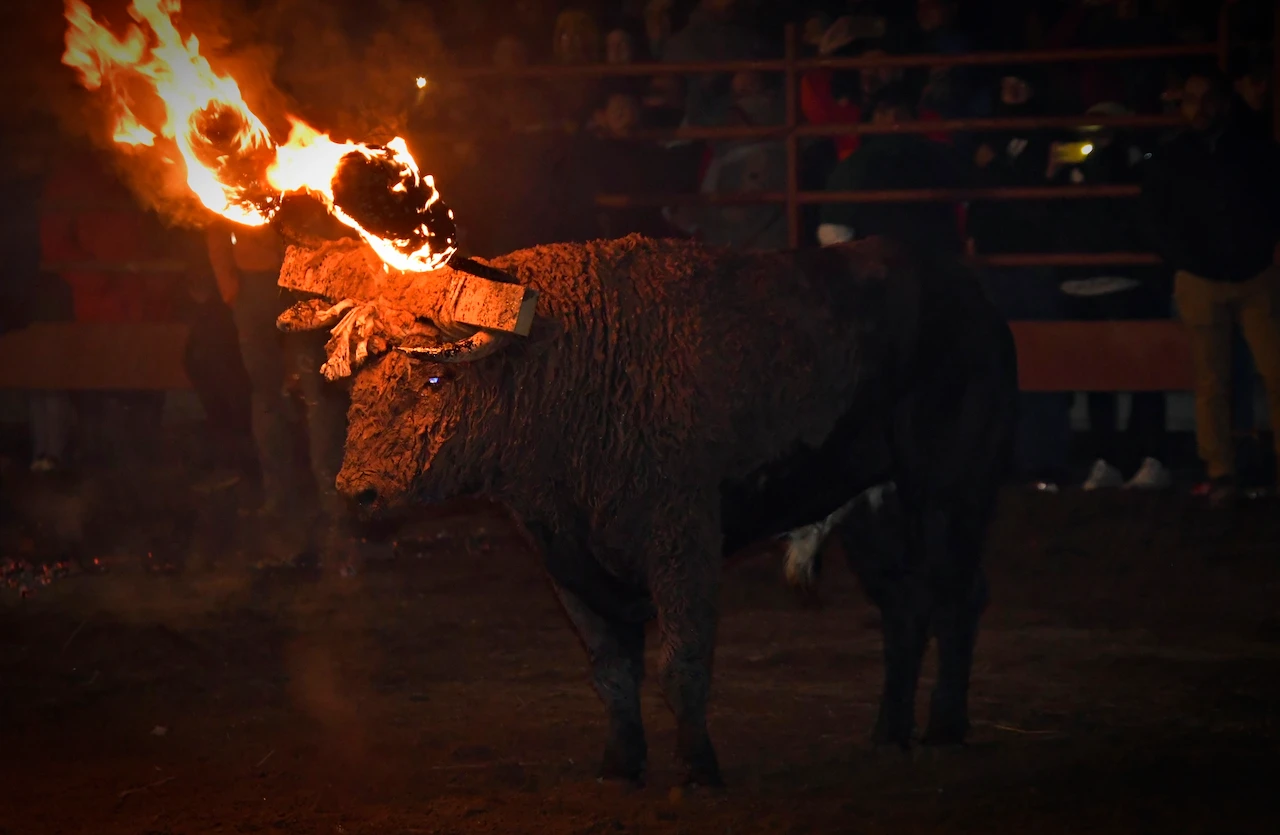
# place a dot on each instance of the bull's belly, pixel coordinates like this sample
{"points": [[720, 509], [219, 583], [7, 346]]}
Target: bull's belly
{"points": [[801, 489]]}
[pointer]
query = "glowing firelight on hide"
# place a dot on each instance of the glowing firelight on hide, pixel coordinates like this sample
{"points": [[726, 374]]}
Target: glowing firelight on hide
{"points": [[232, 164]]}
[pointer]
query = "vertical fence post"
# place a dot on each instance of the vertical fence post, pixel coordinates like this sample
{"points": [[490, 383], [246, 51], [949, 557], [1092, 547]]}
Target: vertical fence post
{"points": [[1275, 73], [793, 155], [1224, 35]]}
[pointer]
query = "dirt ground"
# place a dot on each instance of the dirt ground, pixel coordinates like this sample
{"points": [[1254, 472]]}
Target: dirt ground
{"points": [[1127, 680]]}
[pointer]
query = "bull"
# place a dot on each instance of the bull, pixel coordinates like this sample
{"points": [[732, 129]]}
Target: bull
{"points": [[674, 403]]}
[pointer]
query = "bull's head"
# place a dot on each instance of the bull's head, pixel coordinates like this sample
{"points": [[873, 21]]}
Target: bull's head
{"points": [[403, 413], [406, 400]]}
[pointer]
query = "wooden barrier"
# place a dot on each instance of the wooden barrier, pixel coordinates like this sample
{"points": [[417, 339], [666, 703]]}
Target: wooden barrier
{"points": [[1102, 356], [93, 356]]}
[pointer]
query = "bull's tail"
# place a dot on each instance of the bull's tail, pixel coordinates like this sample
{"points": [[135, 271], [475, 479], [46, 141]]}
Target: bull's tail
{"points": [[804, 544]]}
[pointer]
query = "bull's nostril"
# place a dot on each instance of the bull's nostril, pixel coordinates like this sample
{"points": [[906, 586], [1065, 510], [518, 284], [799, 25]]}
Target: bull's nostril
{"points": [[366, 497]]}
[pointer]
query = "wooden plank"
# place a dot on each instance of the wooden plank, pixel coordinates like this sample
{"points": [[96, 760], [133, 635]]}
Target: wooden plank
{"points": [[1052, 356], [92, 356], [1103, 356]]}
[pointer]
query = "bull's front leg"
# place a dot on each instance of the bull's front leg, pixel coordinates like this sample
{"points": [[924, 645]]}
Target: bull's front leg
{"points": [[685, 591], [616, 649], [609, 617]]}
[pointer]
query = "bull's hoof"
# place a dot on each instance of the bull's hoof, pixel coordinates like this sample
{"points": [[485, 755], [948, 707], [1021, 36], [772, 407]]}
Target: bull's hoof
{"points": [[625, 758], [703, 771], [945, 734], [892, 735], [622, 774], [703, 779]]}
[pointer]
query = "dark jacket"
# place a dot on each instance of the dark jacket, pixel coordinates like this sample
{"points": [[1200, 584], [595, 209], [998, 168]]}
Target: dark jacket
{"points": [[1021, 158], [1212, 204]]}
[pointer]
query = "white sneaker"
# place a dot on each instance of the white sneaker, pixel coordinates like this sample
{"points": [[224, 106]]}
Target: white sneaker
{"points": [[1152, 475], [1102, 476]]}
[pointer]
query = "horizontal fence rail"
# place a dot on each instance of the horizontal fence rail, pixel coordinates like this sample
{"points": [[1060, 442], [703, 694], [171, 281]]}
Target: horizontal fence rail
{"points": [[782, 65], [115, 266], [905, 195]]}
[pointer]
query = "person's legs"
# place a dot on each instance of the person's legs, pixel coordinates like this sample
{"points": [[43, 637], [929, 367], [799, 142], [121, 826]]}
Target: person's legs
{"points": [[1243, 379], [213, 364], [1145, 432], [1044, 421], [326, 406], [1205, 309], [1260, 321], [256, 307], [50, 416]]}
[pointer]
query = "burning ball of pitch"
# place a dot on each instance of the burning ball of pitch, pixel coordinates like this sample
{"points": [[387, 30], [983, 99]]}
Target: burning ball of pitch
{"points": [[381, 194]]}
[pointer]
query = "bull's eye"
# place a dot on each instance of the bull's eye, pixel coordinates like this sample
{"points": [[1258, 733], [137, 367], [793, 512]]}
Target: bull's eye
{"points": [[433, 380]]}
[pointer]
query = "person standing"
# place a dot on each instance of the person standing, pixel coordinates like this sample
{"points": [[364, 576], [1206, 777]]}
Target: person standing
{"points": [[1212, 199], [246, 264]]}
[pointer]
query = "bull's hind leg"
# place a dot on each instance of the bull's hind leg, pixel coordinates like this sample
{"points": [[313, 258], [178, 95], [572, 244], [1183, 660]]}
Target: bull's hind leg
{"points": [[962, 600], [616, 650], [685, 591], [890, 555], [955, 625]]}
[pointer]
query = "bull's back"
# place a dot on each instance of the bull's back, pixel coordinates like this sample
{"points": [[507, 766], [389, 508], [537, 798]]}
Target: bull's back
{"points": [[716, 359]]}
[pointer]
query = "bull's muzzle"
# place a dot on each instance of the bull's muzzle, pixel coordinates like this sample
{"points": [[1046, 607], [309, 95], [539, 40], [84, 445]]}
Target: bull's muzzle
{"points": [[367, 497]]}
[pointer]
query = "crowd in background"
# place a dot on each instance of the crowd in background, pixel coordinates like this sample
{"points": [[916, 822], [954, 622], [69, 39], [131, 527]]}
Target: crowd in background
{"points": [[614, 109], [521, 159]]}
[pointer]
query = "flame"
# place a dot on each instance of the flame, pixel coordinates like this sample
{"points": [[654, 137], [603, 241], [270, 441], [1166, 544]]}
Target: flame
{"points": [[195, 98], [232, 163]]}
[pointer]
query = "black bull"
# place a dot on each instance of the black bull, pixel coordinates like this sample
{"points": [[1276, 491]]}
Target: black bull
{"points": [[676, 403]]}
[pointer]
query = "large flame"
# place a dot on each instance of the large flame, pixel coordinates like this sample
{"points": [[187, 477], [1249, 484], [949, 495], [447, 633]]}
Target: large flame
{"points": [[232, 164]]}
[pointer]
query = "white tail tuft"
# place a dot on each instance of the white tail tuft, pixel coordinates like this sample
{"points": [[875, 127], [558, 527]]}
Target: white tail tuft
{"points": [[803, 544], [802, 551]]}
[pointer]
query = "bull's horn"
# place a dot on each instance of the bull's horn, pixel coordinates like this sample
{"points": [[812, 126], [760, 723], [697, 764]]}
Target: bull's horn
{"points": [[480, 344], [312, 314]]}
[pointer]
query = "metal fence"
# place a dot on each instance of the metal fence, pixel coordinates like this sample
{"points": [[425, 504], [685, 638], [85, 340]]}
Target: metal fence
{"points": [[792, 130]]}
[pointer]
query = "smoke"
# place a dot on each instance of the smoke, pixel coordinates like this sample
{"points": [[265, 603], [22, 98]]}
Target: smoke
{"points": [[347, 68]]}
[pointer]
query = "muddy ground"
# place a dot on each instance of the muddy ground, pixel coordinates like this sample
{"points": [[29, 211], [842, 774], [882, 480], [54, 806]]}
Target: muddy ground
{"points": [[1127, 681]]}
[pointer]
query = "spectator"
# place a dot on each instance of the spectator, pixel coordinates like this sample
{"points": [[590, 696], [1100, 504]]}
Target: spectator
{"points": [[1021, 159], [28, 294], [576, 41], [1212, 197], [894, 161], [1013, 159], [622, 45], [744, 166], [947, 91], [246, 263], [1096, 24], [837, 97], [812, 27], [657, 26], [713, 33], [663, 102], [1110, 225], [1251, 99], [90, 222], [518, 104], [212, 363]]}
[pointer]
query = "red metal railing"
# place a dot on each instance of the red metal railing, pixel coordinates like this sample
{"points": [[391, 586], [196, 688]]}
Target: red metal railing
{"points": [[792, 130]]}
